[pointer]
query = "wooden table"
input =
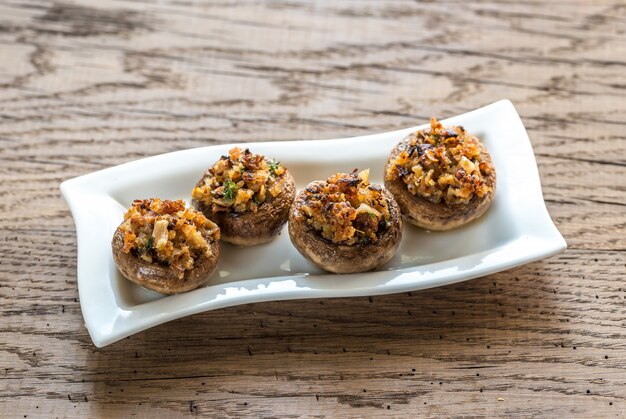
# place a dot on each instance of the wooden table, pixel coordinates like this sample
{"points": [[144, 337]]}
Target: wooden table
{"points": [[88, 85]]}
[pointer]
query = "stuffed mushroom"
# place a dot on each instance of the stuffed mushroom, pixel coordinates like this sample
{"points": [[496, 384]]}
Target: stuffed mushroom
{"points": [[442, 177], [345, 224], [165, 247], [247, 195]]}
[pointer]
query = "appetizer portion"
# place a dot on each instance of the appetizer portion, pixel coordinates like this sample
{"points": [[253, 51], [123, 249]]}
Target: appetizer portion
{"points": [[345, 224], [442, 177], [166, 247], [247, 195]]}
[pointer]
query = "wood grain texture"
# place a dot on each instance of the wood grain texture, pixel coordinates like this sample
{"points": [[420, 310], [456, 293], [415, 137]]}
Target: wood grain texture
{"points": [[86, 85]]}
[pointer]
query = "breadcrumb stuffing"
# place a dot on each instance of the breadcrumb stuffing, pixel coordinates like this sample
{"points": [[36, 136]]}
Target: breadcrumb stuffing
{"points": [[346, 209], [167, 232], [442, 165], [240, 182]]}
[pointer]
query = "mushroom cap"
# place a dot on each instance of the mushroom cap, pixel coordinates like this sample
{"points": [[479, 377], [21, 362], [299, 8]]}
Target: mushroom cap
{"points": [[341, 258], [252, 228], [161, 278], [439, 216]]}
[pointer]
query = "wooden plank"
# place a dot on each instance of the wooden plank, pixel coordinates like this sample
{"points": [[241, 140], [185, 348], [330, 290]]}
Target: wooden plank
{"points": [[85, 86]]}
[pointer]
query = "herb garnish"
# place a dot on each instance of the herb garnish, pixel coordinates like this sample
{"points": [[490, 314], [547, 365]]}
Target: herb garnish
{"points": [[230, 189], [273, 166]]}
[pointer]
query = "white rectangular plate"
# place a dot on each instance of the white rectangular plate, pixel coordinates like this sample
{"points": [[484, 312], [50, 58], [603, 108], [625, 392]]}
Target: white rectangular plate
{"points": [[516, 230]]}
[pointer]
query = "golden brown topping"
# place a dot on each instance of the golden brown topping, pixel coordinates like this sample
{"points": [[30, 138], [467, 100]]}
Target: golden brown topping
{"points": [[346, 209], [166, 232], [442, 165], [240, 182]]}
